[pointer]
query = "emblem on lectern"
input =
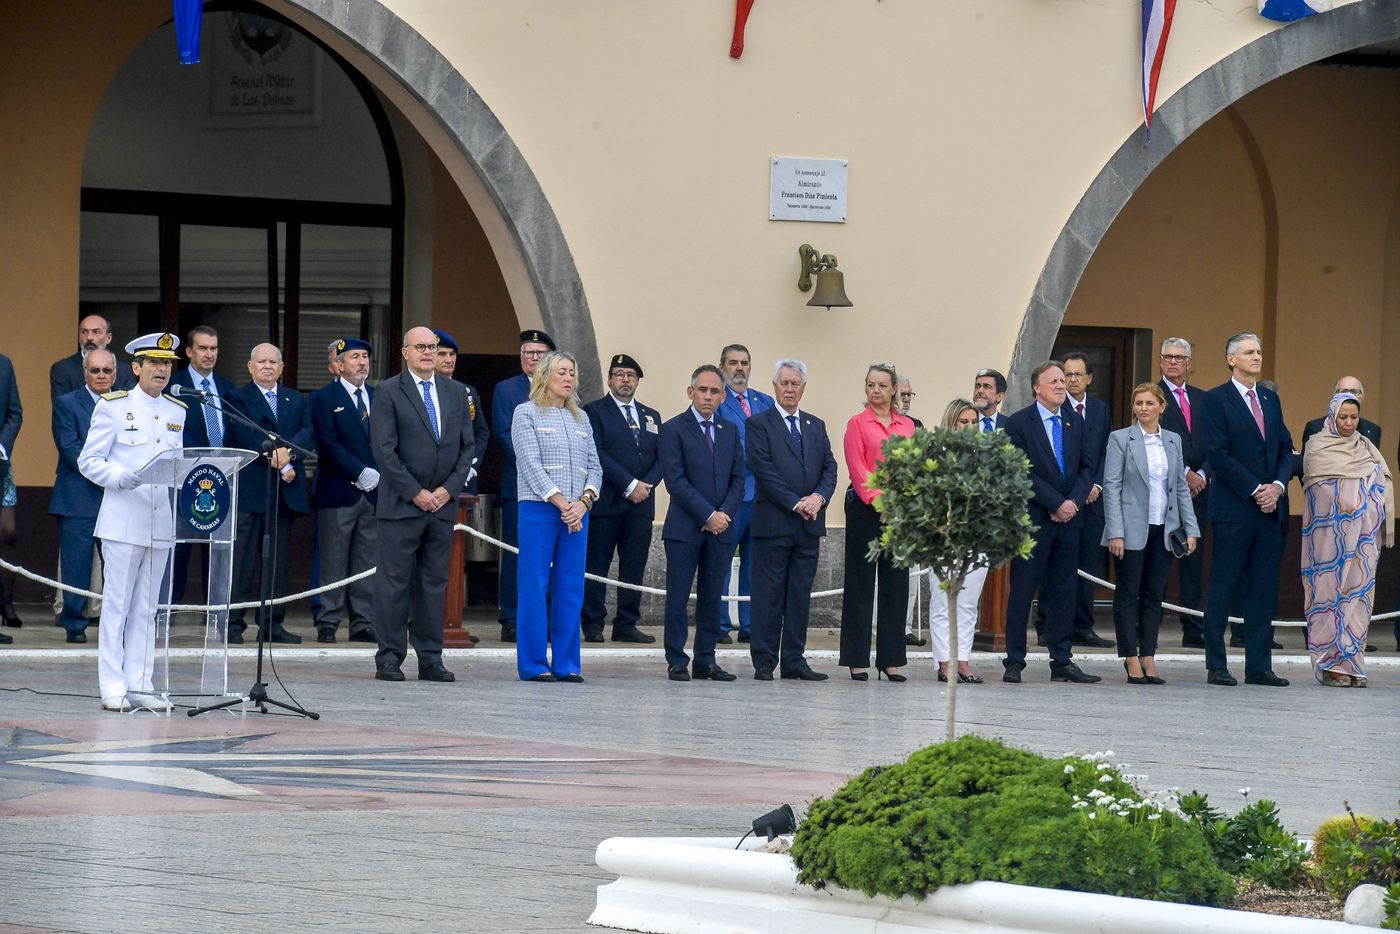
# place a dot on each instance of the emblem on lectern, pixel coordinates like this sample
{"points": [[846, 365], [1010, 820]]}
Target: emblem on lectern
{"points": [[204, 499]]}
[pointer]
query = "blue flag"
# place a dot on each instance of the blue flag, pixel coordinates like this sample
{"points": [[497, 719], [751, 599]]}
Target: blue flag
{"points": [[188, 16]]}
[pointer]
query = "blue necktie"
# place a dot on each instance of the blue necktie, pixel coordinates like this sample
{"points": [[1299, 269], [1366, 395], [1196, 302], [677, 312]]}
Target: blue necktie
{"points": [[987, 425], [272, 402], [796, 435], [432, 412], [211, 420], [1057, 432]]}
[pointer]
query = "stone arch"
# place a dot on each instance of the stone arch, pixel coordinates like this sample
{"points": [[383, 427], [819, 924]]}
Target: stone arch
{"points": [[1282, 50], [495, 178]]}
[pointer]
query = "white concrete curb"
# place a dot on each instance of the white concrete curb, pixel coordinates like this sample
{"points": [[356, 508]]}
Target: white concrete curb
{"points": [[695, 885]]}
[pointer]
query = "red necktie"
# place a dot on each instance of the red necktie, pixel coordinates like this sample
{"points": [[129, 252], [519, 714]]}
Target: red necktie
{"points": [[1183, 405], [1079, 407], [1258, 412], [744, 404]]}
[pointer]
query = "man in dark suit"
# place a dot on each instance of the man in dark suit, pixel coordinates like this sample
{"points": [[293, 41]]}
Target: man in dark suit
{"points": [[1185, 403], [481, 432], [1251, 460], [344, 498], [275, 408], [1063, 469], [76, 499], [11, 416], [741, 402], [626, 434], [508, 394], [703, 464], [988, 389], [794, 478], [204, 428], [1093, 556], [67, 375], [422, 434], [1368, 428]]}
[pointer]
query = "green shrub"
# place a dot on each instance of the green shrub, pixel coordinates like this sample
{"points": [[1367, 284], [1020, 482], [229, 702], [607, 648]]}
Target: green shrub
{"points": [[1253, 844], [1392, 908], [975, 809], [1357, 850]]}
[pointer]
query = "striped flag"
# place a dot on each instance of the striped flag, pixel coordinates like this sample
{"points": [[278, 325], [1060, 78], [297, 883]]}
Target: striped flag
{"points": [[1156, 26], [1286, 11]]}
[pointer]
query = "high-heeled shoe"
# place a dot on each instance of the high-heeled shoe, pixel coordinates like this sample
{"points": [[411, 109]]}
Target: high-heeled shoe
{"points": [[860, 675], [969, 679], [1140, 679], [1153, 679], [943, 676], [890, 676]]}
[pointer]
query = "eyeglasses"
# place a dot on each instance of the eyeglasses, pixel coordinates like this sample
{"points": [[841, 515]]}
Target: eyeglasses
{"points": [[1174, 358], [907, 395], [533, 353], [101, 369], [623, 374], [423, 348]]}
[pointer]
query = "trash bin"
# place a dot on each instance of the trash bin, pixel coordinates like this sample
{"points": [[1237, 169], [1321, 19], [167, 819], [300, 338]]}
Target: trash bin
{"points": [[486, 520]]}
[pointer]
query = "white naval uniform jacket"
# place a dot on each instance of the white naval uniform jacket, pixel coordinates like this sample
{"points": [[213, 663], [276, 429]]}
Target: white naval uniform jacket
{"points": [[127, 430]]}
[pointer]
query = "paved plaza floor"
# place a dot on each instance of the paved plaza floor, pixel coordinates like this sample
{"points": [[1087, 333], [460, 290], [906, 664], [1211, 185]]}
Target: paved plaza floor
{"points": [[476, 806]]}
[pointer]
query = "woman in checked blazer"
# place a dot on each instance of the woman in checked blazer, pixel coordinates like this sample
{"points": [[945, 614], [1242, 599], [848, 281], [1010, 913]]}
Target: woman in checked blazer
{"points": [[558, 479], [1145, 500]]}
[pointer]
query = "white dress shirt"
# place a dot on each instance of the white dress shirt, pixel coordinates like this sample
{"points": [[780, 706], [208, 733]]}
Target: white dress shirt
{"points": [[1156, 476], [1244, 392]]}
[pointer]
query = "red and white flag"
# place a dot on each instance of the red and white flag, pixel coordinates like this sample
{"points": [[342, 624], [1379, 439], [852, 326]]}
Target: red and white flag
{"points": [[1156, 26]]}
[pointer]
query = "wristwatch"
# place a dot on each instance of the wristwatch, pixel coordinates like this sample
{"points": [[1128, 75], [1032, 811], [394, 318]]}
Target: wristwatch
{"points": [[587, 500]]}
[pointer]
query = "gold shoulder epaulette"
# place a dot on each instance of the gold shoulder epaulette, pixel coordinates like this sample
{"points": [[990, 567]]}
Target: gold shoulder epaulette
{"points": [[174, 400], [114, 396]]}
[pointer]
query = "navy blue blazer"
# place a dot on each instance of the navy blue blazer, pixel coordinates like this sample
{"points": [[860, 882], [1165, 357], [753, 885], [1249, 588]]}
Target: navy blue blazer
{"points": [[1050, 487], [481, 433], [700, 482], [196, 431], [1098, 425], [625, 457], [1193, 445], [11, 412], [1240, 460], [729, 411], [66, 375], [73, 494], [343, 446], [293, 422], [999, 422], [781, 478], [508, 394]]}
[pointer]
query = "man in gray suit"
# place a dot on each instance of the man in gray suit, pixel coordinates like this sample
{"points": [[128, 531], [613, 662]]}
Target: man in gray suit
{"points": [[422, 438]]}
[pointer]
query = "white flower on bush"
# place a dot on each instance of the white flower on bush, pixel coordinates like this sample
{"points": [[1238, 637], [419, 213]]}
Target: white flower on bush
{"points": [[1105, 778], [1069, 769]]}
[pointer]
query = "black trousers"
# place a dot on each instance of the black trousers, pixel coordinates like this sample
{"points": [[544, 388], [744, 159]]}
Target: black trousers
{"points": [[628, 534], [1248, 552], [863, 527], [247, 564], [1137, 603], [784, 567], [421, 544], [1093, 559], [710, 557], [1056, 555], [1191, 571]]}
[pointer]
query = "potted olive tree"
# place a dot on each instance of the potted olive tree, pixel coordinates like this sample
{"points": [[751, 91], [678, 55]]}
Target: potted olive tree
{"points": [[954, 501]]}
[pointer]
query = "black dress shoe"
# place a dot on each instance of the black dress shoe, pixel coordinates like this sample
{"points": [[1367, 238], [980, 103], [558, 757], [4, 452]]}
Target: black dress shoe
{"points": [[78, 636], [677, 673], [571, 679], [545, 678], [1237, 642], [763, 674], [283, 637], [632, 634], [1039, 639], [436, 672], [1275, 645], [325, 634], [1011, 676], [724, 639], [364, 635], [743, 637], [388, 673], [1072, 672], [235, 636], [804, 674], [14, 622], [1221, 676], [593, 635], [5, 640], [1193, 642], [911, 639], [712, 673], [507, 632], [1089, 637], [1266, 678]]}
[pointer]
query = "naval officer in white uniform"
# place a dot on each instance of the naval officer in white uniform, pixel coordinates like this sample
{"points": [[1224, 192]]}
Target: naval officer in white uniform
{"points": [[128, 429]]}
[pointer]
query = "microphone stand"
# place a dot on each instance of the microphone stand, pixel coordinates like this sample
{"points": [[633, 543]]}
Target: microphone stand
{"points": [[272, 497]]}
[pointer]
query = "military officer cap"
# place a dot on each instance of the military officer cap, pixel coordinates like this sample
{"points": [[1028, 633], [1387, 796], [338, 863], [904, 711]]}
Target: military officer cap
{"points": [[159, 346], [347, 344], [625, 362], [536, 336], [445, 340]]}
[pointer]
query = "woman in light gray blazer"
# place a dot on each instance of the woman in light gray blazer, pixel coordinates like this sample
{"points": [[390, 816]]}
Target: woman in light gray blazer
{"points": [[1145, 499]]}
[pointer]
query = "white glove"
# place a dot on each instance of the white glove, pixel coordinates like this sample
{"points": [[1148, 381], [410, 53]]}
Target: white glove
{"points": [[471, 475], [368, 479], [128, 480]]}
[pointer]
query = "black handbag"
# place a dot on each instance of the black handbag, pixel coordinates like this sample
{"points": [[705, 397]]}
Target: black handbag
{"points": [[1176, 541]]}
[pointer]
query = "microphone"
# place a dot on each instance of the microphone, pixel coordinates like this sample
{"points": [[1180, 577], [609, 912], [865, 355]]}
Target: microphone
{"points": [[177, 390]]}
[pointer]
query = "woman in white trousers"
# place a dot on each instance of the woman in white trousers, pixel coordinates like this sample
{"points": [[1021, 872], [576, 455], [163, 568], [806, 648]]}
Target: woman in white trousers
{"points": [[960, 415]]}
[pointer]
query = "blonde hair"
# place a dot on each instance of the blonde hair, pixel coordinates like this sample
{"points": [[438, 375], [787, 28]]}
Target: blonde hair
{"points": [[954, 412], [1152, 389], [540, 380]]}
